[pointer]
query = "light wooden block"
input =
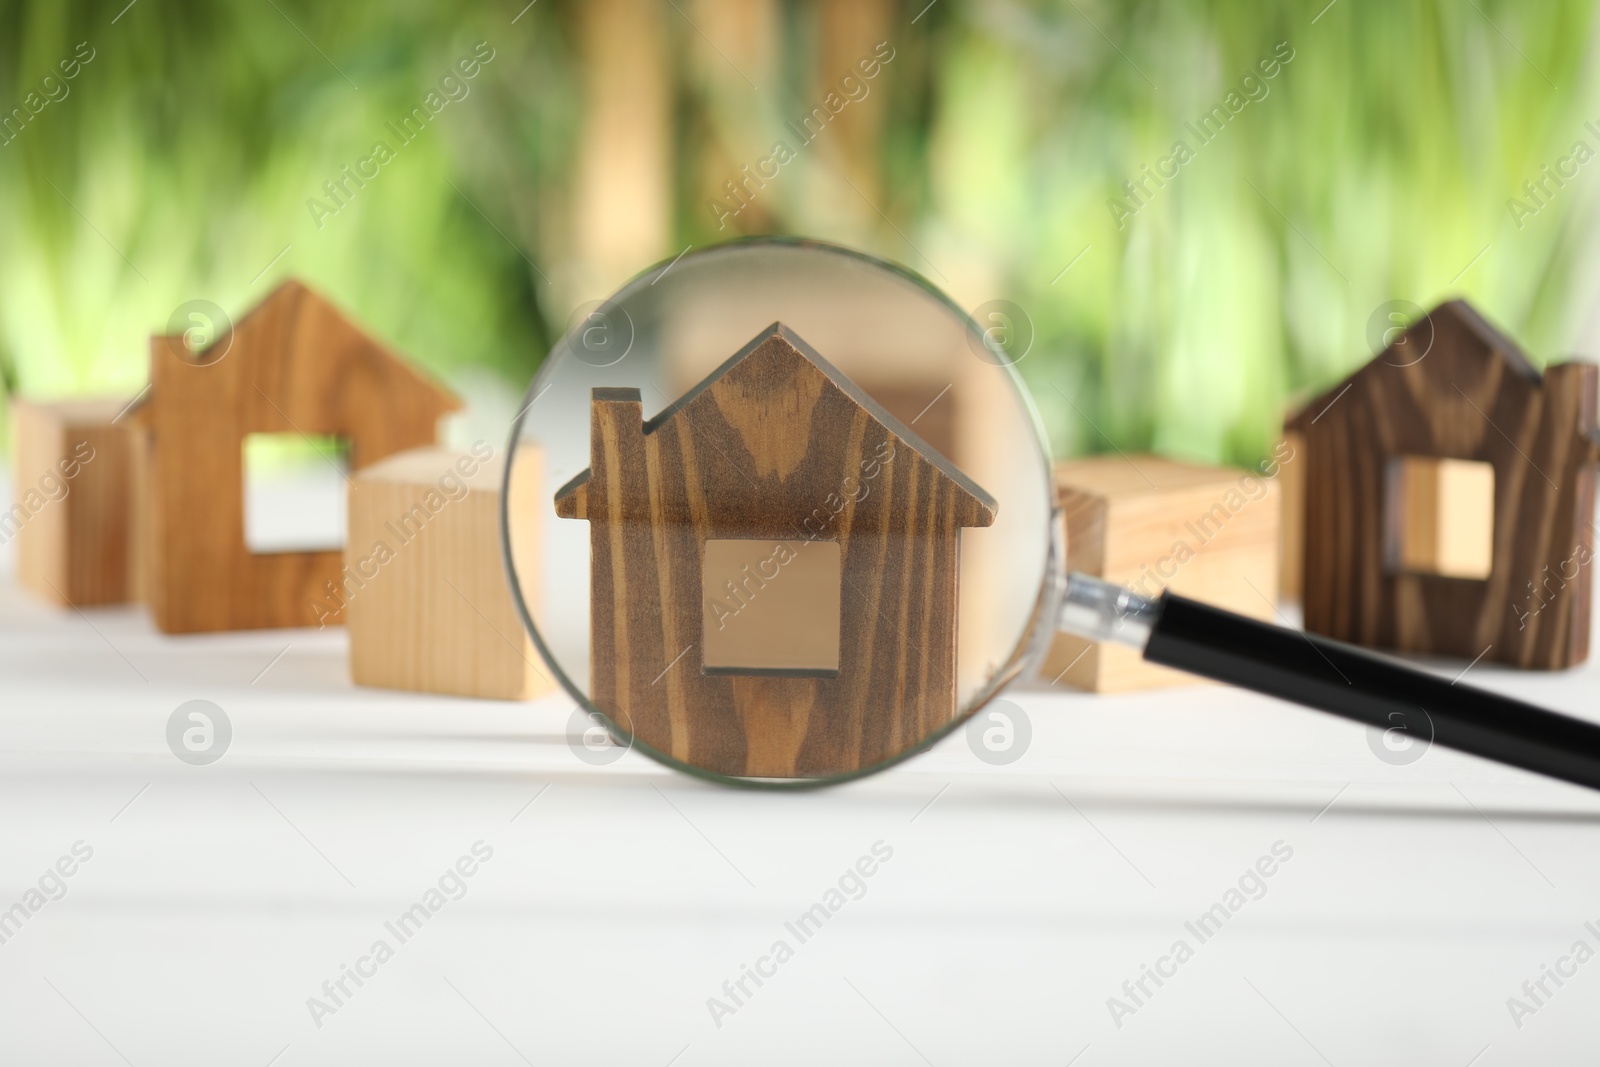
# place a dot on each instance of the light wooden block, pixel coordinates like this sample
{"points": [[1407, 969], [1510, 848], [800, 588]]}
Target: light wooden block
{"points": [[426, 597], [71, 516], [1209, 533], [1443, 512]]}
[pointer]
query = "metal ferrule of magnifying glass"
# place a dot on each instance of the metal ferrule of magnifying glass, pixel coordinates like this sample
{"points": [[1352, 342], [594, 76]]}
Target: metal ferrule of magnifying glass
{"points": [[1103, 611]]}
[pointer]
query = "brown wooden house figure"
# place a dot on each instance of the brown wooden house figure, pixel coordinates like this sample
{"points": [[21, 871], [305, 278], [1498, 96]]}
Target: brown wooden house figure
{"points": [[1450, 496], [774, 568], [294, 365]]}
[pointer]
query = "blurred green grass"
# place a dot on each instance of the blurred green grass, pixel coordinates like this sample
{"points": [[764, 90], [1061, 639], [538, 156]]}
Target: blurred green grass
{"points": [[1378, 165]]}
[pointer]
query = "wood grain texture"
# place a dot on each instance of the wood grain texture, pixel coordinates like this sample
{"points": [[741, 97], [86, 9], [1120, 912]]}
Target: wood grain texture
{"points": [[427, 601], [295, 364], [1149, 523], [926, 378], [1291, 478], [776, 444], [72, 518], [915, 391], [1473, 396]]}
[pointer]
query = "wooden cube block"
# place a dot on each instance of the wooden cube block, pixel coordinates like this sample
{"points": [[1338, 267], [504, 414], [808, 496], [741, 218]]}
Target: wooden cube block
{"points": [[426, 597], [71, 519], [1442, 516], [1210, 533]]}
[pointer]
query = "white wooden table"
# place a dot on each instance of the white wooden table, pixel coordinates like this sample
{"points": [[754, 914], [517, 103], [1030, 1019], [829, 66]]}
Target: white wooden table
{"points": [[619, 899]]}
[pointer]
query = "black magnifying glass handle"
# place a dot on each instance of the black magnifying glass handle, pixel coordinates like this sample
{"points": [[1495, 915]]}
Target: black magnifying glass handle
{"points": [[1332, 676]]}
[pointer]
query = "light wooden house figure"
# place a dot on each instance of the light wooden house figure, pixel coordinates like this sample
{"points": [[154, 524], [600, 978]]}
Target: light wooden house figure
{"points": [[1450, 496], [293, 365], [424, 591], [774, 568], [1151, 524]]}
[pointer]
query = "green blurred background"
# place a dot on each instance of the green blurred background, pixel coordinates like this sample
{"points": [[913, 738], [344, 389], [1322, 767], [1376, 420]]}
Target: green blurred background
{"points": [[1380, 161]]}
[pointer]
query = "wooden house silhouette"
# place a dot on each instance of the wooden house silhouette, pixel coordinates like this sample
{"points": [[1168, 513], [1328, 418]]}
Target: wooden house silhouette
{"points": [[1452, 401], [293, 365], [774, 570]]}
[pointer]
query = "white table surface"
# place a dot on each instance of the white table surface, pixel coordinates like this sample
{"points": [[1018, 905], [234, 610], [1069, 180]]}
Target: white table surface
{"points": [[1017, 901]]}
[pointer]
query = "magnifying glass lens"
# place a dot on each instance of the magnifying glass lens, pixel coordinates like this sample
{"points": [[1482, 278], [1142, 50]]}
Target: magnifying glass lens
{"points": [[779, 512]]}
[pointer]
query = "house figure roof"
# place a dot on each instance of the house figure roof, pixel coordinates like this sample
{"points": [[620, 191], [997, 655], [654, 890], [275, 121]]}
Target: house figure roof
{"points": [[1455, 324], [769, 374]]}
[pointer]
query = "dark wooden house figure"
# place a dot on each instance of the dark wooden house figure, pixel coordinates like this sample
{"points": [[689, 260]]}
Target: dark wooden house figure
{"points": [[775, 561], [1453, 402]]}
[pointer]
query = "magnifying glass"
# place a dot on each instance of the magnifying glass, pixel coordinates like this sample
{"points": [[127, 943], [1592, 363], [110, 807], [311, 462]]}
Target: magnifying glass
{"points": [[780, 513]]}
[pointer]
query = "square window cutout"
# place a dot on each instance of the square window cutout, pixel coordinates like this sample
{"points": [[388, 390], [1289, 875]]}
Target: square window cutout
{"points": [[294, 492], [771, 607], [1440, 517]]}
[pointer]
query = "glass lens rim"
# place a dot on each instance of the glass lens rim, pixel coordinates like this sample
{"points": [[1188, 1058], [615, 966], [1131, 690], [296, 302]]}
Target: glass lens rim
{"points": [[1033, 640]]}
